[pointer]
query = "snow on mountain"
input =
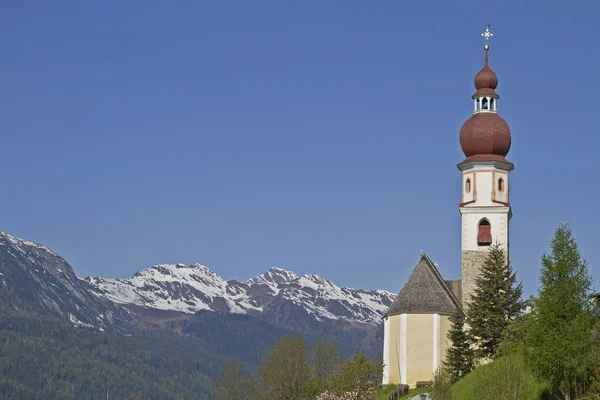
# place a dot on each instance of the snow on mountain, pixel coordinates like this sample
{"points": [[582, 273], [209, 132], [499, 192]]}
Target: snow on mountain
{"points": [[36, 279], [175, 287], [274, 277], [193, 288]]}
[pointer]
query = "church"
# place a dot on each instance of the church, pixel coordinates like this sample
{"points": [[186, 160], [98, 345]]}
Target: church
{"points": [[416, 324]]}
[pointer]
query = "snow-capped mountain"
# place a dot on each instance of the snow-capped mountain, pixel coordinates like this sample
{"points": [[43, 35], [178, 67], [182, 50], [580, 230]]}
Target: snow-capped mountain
{"points": [[35, 279], [193, 288]]}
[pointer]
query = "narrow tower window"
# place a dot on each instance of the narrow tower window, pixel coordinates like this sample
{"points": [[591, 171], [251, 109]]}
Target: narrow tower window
{"points": [[484, 234], [484, 104], [501, 185], [468, 186]]}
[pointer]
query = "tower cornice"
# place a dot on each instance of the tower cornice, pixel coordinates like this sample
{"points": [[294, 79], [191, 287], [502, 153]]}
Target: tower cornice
{"points": [[472, 163]]}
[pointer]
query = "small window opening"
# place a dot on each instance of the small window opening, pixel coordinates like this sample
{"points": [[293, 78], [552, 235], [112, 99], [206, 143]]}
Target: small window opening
{"points": [[468, 185], [501, 185], [484, 104], [492, 104], [484, 234]]}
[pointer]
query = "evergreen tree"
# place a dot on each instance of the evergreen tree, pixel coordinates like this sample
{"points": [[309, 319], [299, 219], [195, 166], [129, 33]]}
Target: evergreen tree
{"points": [[495, 303], [559, 342], [460, 356]]}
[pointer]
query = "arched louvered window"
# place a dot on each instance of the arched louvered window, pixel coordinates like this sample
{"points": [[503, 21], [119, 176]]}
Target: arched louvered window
{"points": [[501, 185], [468, 185], [484, 233]]}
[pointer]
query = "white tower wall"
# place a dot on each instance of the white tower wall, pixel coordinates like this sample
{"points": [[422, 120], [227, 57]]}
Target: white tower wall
{"points": [[485, 196]]}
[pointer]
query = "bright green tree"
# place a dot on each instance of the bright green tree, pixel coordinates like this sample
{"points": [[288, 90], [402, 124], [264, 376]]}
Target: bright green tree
{"points": [[460, 356], [559, 344], [513, 338], [496, 301]]}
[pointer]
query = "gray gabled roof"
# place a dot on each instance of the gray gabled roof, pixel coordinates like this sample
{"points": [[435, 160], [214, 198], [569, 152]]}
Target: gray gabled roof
{"points": [[425, 292]]}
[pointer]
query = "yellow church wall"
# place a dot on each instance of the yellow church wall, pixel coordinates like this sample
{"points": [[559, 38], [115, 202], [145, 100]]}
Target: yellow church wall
{"points": [[419, 347], [444, 341], [394, 349], [415, 357]]}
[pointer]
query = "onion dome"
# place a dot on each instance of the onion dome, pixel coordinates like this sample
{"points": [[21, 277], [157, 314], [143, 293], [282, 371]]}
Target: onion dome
{"points": [[486, 79], [486, 135]]}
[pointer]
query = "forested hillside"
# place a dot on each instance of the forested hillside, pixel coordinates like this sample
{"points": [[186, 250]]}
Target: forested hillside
{"points": [[52, 360], [238, 336]]}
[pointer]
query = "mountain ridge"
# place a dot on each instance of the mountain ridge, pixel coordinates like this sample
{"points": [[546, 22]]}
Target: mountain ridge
{"points": [[34, 280], [33, 277], [195, 287]]}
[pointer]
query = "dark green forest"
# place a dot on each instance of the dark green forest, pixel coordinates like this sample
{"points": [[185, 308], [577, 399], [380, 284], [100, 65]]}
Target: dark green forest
{"points": [[48, 359], [242, 337]]}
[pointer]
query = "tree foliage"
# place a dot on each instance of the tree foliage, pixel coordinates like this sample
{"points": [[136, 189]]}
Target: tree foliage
{"points": [[442, 384], [513, 337], [47, 359], [496, 301], [236, 383], [460, 356], [560, 346], [325, 358], [285, 373], [357, 378]]}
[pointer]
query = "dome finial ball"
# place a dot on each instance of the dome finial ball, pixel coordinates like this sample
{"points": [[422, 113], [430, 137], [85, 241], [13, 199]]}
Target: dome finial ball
{"points": [[486, 47]]}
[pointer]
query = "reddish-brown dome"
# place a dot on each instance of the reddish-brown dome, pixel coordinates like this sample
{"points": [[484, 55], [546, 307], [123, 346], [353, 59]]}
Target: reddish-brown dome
{"points": [[485, 134], [486, 79]]}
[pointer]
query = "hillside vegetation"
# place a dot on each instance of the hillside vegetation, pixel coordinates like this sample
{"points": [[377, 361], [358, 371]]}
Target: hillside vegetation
{"points": [[52, 360], [505, 378], [546, 347]]}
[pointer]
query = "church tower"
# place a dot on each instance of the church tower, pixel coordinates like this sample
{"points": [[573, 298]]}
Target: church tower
{"points": [[416, 326], [485, 208]]}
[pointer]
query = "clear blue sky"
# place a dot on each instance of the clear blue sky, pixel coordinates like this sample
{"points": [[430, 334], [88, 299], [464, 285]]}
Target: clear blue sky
{"points": [[317, 136]]}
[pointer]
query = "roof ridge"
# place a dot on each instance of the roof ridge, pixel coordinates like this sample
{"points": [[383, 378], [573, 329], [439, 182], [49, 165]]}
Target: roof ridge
{"points": [[442, 280], [422, 294]]}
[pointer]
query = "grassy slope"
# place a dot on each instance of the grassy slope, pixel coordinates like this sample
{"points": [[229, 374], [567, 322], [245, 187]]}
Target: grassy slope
{"points": [[465, 388], [383, 394]]}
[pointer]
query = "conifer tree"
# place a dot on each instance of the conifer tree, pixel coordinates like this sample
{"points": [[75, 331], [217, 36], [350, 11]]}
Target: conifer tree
{"points": [[560, 346], [495, 303], [460, 356]]}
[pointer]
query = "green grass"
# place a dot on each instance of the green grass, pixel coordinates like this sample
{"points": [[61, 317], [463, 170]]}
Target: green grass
{"points": [[497, 372], [384, 393]]}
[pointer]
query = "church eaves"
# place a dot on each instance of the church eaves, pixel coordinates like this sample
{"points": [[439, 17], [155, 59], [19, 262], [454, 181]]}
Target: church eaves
{"points": [[425, 292]]}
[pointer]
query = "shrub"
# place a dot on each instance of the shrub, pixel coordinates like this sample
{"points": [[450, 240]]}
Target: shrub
{"points": [[507, 378], [442, 382]]}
